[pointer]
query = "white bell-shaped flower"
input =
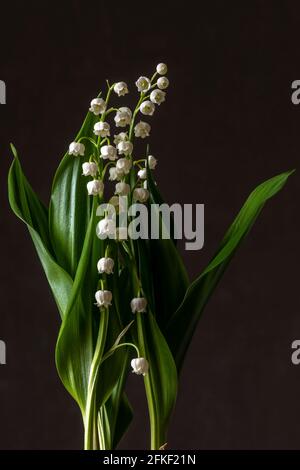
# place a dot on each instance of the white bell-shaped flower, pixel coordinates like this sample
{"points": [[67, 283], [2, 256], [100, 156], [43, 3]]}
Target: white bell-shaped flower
{"points": [[147, 108], [142, 129], [138, 304], [106, 228], [121, 88], [141, 195], [157, 96], [140, 366], [143, 84], [102, 128], [122, 189], [162, 69], [77, 149], [103, 298], [125, 147], [95, 187], [108, 152], [105, 265], [89, 169], [162, 83], [98, 106], [152, 162]]}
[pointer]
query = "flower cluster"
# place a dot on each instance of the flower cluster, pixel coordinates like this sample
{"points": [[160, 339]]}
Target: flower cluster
{"points": [[115, 156]]}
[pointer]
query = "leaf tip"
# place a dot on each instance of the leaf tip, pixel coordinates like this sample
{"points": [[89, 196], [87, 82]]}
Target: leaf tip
{"points": [[14, 150]]}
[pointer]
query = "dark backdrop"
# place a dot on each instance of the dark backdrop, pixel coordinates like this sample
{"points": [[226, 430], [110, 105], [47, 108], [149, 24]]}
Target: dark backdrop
{"points": [[228, 124]]}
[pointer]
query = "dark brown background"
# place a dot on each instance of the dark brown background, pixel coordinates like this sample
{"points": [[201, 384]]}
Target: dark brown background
{"points": [[228, 124]]}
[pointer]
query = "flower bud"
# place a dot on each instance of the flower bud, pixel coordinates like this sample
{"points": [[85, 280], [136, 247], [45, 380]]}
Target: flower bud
{"points": [[125, 147], [123, 117], [152, 162], [89, 169], [157, 96], [141, 194], [108, 152], [120, 137], [76, 149], [140, 366], [103, 298], [143, 84], [98, 106], [162, 69], [105, 228], [102, 128], [122, 189], [121, 88], [162, 83], [142, 173], [138, 304], [95, 187], [147, 108], [142, 129], [105, 265], [124, 165]]}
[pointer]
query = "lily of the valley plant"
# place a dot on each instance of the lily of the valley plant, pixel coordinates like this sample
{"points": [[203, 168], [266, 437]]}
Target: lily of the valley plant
{"points": [[125, 305]]}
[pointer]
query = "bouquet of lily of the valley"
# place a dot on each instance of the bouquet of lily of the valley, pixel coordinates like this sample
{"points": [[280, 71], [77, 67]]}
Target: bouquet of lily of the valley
{"points": [[109, 253]]}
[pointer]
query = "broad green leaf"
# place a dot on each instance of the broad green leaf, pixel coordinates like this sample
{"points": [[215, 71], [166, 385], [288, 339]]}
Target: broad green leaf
{"points": [[69, 210], [170, 279], [30, 210], [75, 344], [183, 323], [161, 381]]}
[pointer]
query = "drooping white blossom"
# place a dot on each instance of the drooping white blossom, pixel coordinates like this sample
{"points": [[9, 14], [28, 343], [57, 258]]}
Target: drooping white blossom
{"points": [[123, 117], [102, 128], [138, 304], [95, 187], [142, 129], [157, 96], [98, 106], [108, 152], [76, 149], [147, 108], [162, 83], [125, 147], [120, 137], [106, 228], [142, 173], [121, 88], [143, 84], [89, 169], [115, 174], [124, 165], [122, 189], [103, 298], [141, 194], [162, 69], [140, 366], [152, 162], [105, 265]]}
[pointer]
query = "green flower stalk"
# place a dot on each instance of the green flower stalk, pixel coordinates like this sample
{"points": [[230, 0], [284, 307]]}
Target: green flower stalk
{"points": [[123, 300]]}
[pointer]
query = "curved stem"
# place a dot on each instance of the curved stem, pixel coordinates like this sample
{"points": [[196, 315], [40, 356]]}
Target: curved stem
{"points": [[156, 438], [90, 439]]}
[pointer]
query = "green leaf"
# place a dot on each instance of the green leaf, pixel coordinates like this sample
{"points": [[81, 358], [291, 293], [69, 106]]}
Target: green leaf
{"points": [[184, 321], [170, 279], [26, 205], [69, 210], [75, 344], [161, 381]]}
